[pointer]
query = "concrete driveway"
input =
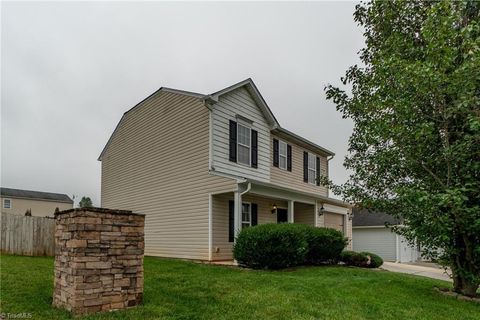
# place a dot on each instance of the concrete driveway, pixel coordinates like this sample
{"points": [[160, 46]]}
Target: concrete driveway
{"points": [[429, 270]]}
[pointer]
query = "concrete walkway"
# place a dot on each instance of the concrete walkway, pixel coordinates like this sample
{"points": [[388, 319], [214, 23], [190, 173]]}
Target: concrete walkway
{"points": [[433, 271]]}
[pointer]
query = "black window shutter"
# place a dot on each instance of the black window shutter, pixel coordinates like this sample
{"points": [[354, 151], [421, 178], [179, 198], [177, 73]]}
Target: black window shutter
{"points": [[231, 221], [305, 166], [289, 157], [318, 171], [254, 149], [254, 214], [275, 152], [233, 141]]}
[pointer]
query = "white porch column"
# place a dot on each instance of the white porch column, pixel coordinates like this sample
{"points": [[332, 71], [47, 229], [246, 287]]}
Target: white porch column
{"points": [[290, 211], [315, 212], [237, 213]]}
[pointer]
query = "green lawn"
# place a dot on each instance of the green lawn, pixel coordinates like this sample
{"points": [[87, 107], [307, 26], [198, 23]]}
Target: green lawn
{"points": [[185, 290]]}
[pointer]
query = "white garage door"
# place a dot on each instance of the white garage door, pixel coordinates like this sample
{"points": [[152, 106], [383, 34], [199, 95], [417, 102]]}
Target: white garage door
{"points": [[380, 241]]}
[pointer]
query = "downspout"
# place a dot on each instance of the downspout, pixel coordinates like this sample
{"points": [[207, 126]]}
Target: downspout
{"points": [[249, 187], [208, 102], [210, 227], [210, 136]]}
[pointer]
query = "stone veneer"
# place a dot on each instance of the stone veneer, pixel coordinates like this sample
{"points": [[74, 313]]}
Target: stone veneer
{"points": [[98, 259]]}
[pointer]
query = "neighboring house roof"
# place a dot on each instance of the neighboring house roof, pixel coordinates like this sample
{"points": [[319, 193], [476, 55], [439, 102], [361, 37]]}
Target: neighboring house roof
{"points": [[213, 98], [35, 195], [367, 218]]}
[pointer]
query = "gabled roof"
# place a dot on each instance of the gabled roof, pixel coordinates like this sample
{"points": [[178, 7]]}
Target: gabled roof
{"points": [[165, 89], [368, 218], [35, 195], [257, 97], [213, 98]]}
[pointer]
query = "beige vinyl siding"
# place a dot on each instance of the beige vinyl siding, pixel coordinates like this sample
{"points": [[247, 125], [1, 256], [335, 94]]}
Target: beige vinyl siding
{"points": [[334, 221], [40, 208], [294, 179], [304, 213], [157, 164], [221, 247], [339, 222], [239, 102], [265, 206], [349, 234], [220, 241]]}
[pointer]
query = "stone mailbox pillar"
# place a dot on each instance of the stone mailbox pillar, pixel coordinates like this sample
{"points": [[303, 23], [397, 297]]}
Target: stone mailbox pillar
{"points": [[98, 259]]}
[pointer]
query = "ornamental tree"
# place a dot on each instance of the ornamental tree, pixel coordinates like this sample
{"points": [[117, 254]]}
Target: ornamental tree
{"points": [[415, 148], [85, 202]]}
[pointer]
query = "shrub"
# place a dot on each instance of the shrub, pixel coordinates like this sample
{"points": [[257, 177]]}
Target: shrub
{"points": [[271, 246], [324, 245], [375, 260], [361, 259], [352, 258]]}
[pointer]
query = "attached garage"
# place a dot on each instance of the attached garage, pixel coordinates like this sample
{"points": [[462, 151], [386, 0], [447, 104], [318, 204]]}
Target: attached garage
{"points": [[381, 241], [371, 234]]}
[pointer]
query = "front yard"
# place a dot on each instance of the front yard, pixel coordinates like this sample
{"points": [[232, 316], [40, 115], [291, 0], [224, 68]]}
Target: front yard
{"points": [[185, 290]]}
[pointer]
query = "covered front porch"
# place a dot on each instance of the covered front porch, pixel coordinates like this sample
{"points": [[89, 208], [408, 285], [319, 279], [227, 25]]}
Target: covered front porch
{"points": [[258, 203]]}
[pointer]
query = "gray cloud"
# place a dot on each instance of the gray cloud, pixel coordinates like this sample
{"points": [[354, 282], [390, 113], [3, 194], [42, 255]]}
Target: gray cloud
{"points": [[70, 70]]}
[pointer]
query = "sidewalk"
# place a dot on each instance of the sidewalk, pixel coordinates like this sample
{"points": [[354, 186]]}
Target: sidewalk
{"points": [[433, 271]]}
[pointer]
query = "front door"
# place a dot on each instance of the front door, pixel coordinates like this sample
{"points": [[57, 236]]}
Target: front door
{"points": [[282, 215]]}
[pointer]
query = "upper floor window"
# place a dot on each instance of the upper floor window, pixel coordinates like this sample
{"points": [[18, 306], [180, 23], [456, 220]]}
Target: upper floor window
{"points": [[312, 170], [7, 203], [282, 155], [244, 144]]}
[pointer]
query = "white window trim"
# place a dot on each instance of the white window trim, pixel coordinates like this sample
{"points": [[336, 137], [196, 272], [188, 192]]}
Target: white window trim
{"points": [[280, 155], [249, 214], [10, 202], [244, 145], [314, 169]]}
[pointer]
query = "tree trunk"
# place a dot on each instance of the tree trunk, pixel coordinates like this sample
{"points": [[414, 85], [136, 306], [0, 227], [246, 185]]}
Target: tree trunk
{"points": [[462, 284]]}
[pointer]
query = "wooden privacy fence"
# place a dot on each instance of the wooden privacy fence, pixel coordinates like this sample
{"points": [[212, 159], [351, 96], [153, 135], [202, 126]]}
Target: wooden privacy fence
{"points": [[26, 235]]}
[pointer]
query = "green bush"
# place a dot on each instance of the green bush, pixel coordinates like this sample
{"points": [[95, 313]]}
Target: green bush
{"points": [[276, 246], [271, 246], [361, 259], [375, 260], [352, 258], [324, 245]]}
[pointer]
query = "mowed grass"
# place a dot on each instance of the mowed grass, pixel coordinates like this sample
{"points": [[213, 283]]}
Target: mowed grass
{"points": [[185, 290]]}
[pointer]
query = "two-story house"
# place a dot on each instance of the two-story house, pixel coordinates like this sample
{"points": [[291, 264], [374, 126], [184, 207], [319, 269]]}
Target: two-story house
{"points": [[36, 203], [202, 167]]}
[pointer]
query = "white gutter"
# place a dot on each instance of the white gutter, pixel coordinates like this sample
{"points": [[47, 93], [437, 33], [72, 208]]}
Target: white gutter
{"points": [[238, 179]]}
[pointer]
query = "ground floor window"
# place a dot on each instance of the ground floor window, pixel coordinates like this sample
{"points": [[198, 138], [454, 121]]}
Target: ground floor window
{"points": [[246, 215], [7, 204]]}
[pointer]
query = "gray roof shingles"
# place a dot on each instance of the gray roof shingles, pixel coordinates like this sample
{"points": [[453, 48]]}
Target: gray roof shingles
{"points": [[28, 194], [365, 217]]}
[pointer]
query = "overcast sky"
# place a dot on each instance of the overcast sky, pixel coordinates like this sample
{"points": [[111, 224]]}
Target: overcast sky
{"points": [[70, 70]]}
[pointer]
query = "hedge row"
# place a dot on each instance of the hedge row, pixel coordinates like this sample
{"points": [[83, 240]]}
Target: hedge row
{"points": [[277, 246]]}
